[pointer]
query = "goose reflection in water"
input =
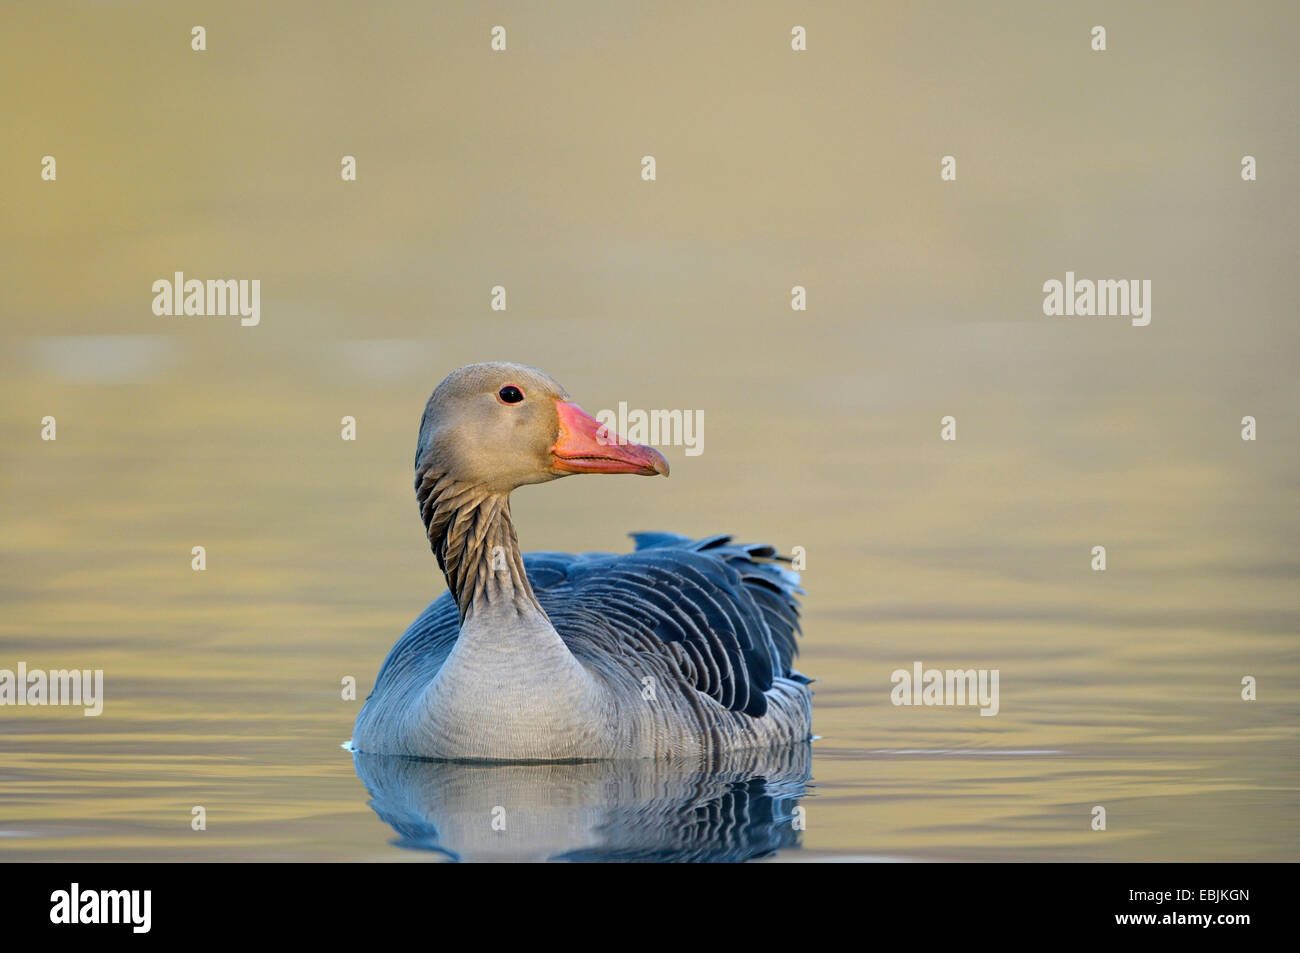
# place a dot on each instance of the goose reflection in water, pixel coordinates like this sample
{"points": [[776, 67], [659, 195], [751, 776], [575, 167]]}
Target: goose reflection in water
{"points": [[739, 807]]}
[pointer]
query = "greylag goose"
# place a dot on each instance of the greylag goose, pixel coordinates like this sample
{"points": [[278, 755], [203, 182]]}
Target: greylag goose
{"points": [[682, 648]]}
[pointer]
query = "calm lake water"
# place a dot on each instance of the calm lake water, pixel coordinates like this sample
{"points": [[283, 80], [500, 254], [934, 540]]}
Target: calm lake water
{"points": [[224, 688]]}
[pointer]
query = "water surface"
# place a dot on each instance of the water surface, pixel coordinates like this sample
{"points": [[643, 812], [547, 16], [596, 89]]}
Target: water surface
{"points": [[1119, 689]]}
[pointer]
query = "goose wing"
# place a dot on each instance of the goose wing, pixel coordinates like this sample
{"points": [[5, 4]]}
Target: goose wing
{"points": [[725, 612]]}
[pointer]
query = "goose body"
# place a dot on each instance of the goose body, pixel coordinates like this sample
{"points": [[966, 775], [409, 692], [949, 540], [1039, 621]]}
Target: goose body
{"points": [[682, 648]]}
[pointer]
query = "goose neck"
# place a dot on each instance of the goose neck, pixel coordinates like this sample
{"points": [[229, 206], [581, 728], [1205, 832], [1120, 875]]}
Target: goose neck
{"points": [[473, 538]]}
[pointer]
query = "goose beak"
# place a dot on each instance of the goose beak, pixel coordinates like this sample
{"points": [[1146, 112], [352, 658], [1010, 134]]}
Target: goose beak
{"points": [[585, 445]]}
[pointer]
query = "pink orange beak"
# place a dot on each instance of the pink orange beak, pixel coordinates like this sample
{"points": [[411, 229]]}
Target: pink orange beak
{"points": [[585, 445]]}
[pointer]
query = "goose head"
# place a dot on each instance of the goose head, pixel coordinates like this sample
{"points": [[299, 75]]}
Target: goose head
{"points": [[502, 426]]}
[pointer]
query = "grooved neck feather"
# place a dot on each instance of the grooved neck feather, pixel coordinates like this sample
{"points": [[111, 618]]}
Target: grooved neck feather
{"points": [[471, 534]]}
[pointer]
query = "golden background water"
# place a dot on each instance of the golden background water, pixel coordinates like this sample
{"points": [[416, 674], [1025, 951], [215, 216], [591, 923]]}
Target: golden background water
{"points": [[821, 428]]}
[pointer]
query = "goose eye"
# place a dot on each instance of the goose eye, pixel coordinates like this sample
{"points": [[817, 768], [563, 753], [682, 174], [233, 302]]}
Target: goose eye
{"points": [[510, 394]]}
